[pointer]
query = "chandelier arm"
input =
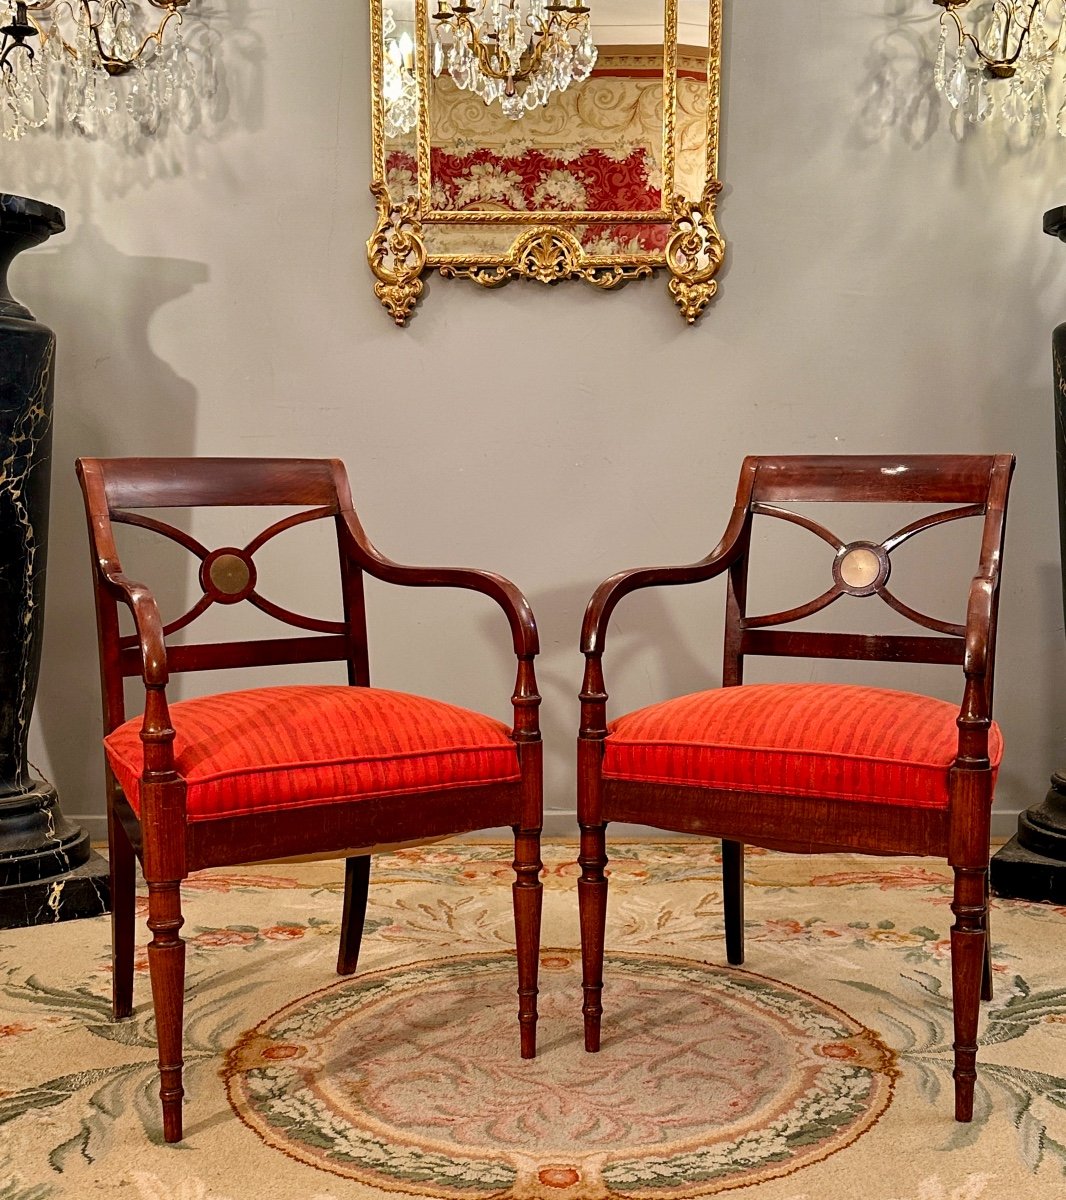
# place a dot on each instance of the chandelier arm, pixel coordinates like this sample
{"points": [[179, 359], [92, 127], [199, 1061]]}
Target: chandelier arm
{"points": [[109, 60], [565, 23], [987, 59], [103, 40], [7, 52], [43, 34], [483, 57], [15, 36], [157, 37]]}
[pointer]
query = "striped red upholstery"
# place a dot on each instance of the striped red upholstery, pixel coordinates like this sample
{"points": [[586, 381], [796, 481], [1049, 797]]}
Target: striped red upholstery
{"points": [[283, 747], [807, 739]]}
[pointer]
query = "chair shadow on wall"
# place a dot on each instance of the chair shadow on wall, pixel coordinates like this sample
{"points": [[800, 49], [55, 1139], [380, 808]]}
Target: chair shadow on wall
{"points": [[113, 396]]}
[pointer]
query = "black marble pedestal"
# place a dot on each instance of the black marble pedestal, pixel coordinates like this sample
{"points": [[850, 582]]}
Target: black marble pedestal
{"points": [[1032, 865], [47, 870]]}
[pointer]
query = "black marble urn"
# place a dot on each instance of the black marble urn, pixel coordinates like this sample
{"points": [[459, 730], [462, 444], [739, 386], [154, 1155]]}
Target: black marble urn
{"points": [[1032, 865], [47, 870]]}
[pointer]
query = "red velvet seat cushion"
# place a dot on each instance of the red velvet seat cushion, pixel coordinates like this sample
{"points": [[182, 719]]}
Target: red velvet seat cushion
{"points": [[273, 748], [807, 739]]}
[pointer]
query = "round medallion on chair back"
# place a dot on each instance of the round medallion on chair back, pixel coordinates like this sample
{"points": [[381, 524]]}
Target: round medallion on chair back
{"points": [[227, 575], [861, 568]]}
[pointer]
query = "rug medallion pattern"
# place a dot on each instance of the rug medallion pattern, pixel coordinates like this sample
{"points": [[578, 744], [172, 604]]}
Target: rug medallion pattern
{"points": [[410, 1078]]}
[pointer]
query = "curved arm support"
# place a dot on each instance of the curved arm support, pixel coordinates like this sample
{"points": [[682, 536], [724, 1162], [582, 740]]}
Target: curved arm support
{"points": [[157, 732], [607, 595], [975, 714], [496, 587], [147, 621], [979, 616]]}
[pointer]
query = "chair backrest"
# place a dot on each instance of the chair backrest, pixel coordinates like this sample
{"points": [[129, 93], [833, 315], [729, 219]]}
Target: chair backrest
{"points": [[119, 490], [958, 486]]}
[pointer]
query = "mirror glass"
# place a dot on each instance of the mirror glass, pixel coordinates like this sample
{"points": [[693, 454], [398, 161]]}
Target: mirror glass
{"points": [[546, 139]]}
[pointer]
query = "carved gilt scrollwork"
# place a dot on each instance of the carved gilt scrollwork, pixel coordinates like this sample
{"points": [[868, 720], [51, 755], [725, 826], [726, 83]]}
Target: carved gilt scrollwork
{"points": [[597, 186], [396, 253], [694, 252], [546, 254]]}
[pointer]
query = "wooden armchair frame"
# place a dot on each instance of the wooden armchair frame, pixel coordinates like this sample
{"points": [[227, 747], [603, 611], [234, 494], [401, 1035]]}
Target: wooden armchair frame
{"points": [[170, 845], [976, 486]]}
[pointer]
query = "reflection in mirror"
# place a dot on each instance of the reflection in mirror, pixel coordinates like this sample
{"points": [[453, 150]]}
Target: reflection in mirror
{"points": [[546, 140], [514, 54]]}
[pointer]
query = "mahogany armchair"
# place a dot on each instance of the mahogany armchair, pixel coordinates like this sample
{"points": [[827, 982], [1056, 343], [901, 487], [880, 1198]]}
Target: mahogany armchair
{"points": [[815, 767], [284, 771]]}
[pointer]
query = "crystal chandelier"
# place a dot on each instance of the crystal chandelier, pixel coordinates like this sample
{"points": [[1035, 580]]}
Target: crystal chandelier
{"points": [[60, 60], [399, 86], [489, 47], [997, 59]]}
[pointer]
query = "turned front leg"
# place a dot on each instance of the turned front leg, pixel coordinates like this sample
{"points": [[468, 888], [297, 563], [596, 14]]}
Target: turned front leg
{"points": [[166, 963], [968, 939], [592, 903], [527, 892]]}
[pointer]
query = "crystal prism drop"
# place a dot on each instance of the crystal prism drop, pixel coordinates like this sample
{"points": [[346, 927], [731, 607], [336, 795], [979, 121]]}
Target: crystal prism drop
{"points": [[10, 126], [75, 91], [981, 102], [52, 50], [1015, 106], [1038, 106], [940, 66], [32, 101], [958, 86], [85, 118], [994, 42], [186, 101], [111, 114], [105, 29], [125, 44], [142, 102]]}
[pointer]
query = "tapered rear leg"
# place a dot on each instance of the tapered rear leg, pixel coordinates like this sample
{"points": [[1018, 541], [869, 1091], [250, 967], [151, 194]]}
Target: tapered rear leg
{"points": [[353, 915], [733, 900], [166, 963], [527, 893], [986, 977], [968, 941], [592, 903], [123, 869]]}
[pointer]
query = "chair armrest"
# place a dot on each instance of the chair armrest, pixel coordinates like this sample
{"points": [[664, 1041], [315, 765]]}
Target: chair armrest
{"points": [[157, 731], [975, 713], [979, 616], [147, 622], [506, 594], [607, 595]]}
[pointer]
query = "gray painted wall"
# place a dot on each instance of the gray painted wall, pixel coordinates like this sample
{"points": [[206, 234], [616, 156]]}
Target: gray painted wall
{"points": [[888, 288]]}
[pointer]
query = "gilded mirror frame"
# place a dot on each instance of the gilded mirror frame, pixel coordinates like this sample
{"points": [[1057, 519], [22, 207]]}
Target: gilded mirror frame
{"points": [[546, 246]]}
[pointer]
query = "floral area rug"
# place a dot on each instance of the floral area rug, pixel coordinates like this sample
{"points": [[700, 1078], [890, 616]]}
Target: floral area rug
{"points": [[819, 1071]]}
